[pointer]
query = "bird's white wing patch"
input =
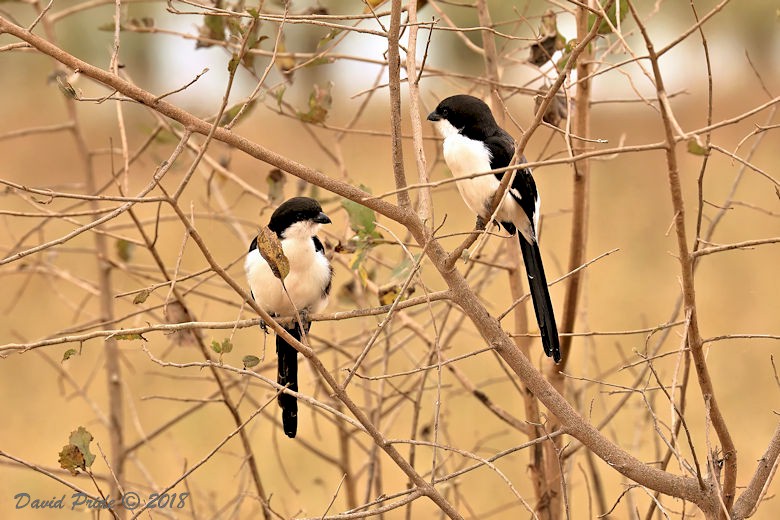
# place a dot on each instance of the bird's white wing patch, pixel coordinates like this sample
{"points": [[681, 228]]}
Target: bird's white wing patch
{"points": [[537, 212]]}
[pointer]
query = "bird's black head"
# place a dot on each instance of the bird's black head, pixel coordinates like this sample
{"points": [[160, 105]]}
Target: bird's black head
{"points": [[463, 112], [297, 210]]}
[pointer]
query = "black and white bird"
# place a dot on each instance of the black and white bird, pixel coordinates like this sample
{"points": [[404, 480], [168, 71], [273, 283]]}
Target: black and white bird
{"points": [[296, 222], [474, 143]]}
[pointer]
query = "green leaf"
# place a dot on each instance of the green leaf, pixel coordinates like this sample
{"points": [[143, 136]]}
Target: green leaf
{"points": [[253, 39], [279, 93], [276, 181], [165, 137], [695, 148], [402, 270], [81, 439], [362, 272], [213, 28], [233, 111], [356, 262], [612, 15], [107, 27], [362, 220], [221, 348], [567, 48], [322, 60], [328, 37], [250, 361], [357, 257], [284, 62], [233, 63], [124, 249], [76, 455], [320, 101], [141, 23], [66, 88], [234, 26], [141, 296], [127, 337], [69, 353]]}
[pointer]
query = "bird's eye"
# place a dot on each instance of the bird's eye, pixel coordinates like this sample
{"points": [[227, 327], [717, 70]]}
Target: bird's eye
{"points": [[445, 112]]}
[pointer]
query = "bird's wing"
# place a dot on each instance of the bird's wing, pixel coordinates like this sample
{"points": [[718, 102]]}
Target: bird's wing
{"points": [[523, 188], [318, 247], [502, 148], [320, 250]]}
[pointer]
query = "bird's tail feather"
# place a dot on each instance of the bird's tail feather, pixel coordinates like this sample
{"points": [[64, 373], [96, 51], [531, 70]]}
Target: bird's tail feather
{"points": [[287, 375], [540, 295]]}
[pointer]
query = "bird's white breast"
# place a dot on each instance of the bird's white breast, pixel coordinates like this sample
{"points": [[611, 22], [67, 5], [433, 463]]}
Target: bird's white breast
{"points": [[466, 157], [309, 275]]}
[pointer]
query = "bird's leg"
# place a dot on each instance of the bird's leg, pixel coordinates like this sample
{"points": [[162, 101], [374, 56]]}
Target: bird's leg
{"points": [[481, 223], [264, 325], [303, 314]]}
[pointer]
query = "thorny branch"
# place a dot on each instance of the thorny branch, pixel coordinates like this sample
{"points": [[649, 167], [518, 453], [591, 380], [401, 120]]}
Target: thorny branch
{"points": [[403, 405]]}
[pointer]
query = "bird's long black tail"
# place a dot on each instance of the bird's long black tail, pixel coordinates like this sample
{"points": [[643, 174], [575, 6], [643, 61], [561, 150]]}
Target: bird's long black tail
{"points": [[287, 375], [540, 295]]}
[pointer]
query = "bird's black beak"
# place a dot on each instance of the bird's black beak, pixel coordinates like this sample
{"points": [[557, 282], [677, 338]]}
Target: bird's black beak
{"points": [[322, 218], [434, 116]]}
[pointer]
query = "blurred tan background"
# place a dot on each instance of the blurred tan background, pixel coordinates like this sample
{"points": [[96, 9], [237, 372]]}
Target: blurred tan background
{"points": [[630, 209]]}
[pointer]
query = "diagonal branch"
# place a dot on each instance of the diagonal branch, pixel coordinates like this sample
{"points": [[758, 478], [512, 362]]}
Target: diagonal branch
{"points": [[748, 500], [199, 126]]}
